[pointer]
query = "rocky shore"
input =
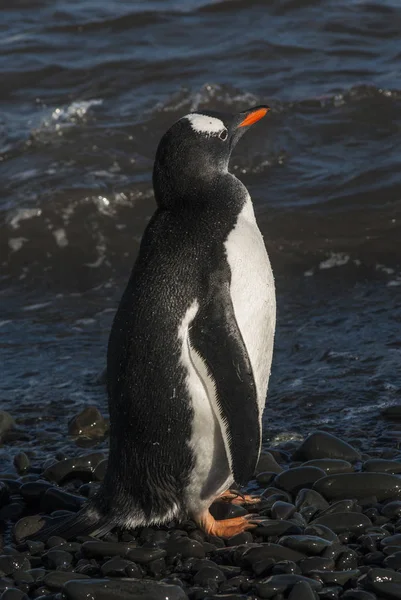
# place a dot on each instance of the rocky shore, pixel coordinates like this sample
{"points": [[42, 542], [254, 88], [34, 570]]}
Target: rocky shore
{"points": [[330, 528]]}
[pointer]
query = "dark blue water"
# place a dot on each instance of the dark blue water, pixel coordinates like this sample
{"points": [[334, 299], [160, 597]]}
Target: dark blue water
{"points": [[87, 89]]}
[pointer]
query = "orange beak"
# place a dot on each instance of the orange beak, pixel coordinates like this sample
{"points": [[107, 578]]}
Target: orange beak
{"points": [[254, 116]]}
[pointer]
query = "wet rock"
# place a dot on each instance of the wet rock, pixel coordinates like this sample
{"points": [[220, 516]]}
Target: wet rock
{"points": [[55, 580], [100, 471], [307, 498], [55, 541], [7, 423], [302, 591], [123, 589], [185, 547], [378, 465], [117, 567], [341, 506], [335, 577], [57, 499], [4, 494], [321, 444], [279, 584], [267, 462], [241, 538], [391, 540], [359, 485], [11, 563], [33, 491], [358, 595], [207, 575], [321, 531], [385, 582], [265, 478], [95, 549], [276, 528], [316, 563], [330, 466], [144, 556], [225, 510], [12, 511], [393, 561], [79, 467], [308, 544], [89, 423], [21, 463], [57, 559], [392, 510], [285, 566], [282, 510], [342, 522], [13, 594], [295, 479], [266, 551]]}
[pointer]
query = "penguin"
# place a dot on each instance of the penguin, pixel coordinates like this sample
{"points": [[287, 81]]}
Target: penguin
{"points": [[190, 348]]}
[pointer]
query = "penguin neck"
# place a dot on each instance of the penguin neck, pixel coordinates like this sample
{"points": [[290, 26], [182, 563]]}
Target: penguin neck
{"points": [[197, 190]]}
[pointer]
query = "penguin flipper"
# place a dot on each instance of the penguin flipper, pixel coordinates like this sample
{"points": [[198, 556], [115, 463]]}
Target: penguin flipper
{"points": [[220, 357]]}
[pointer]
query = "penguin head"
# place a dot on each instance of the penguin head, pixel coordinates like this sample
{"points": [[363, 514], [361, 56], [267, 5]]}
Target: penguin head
{"points": [[195, 151]]}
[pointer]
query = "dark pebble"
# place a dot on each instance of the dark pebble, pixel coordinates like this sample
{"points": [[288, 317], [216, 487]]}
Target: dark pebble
{"points": [[225, 510], [285, 566], [10, 563], [143, 555], [267, 462], [266, 551], [57, 499], [302, 591], [340, 506], [7, 423], [358, 595], [4, 494], [55, 580], [393, 561], [392, 510], [33, 491], [11, 512], [307, 544], [378, 465], [100, 471], [275, 528], [115, 567], [89, 423], [241, 538], [266, 477], [21, 463], [97, 549], [79, 467], [330, 466], [123, 589], [13, 594], [57, 559], [185, 547], [321, 444], [295, 479], [282, 510], [206, 575], [335, 577], [343, 522], [12, 485], [392, 540], [279, 584], [359, 485], [316, 563], [374, 558], [321, 531], [310, 498], [385, 582]]}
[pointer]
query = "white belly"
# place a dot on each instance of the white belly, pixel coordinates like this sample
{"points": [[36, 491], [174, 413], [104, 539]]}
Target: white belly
{"points": [[253, 295]]}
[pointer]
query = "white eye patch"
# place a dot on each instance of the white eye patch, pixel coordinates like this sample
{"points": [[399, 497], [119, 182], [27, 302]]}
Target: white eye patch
{"points": [[205, 124]]}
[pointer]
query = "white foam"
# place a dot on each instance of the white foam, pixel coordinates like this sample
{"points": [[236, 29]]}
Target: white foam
{"points": [[336, 259], [204, 124]]}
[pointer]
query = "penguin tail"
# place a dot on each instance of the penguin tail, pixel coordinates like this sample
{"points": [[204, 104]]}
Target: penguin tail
{"points": [[88, 521]]}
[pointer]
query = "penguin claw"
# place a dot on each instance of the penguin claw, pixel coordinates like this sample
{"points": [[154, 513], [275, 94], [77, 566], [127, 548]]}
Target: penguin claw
{"points": [[225, 528], [237, 498]]}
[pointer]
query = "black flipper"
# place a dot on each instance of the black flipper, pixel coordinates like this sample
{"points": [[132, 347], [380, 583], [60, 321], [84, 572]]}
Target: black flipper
{"points": [[217, 341]]}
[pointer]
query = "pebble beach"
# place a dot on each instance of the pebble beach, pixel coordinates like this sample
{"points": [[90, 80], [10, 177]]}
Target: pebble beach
{"points": [[328, 527]]}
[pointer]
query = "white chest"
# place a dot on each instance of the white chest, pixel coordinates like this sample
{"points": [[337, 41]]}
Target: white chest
{"points": [[253, 295]]}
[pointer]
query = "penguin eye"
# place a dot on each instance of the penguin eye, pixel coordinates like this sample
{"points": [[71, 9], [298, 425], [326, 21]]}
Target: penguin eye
{"points": [[223, 135]]}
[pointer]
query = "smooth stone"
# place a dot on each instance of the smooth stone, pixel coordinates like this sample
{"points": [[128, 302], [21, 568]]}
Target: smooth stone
{"points": [[241, 538], [343, 522], [185, 547], [276, 528], [321, 444], [393, 561], [374, 558], [330, 466], [116, 567], [58, 559], [100, 471], [392, 540], [35, 547], [392, 510], [358, 595], [11, 562], [279, 584], [340, 506], [266, 477], [73, 468], [55, 580], [267, 462], [4, 494], [321, 531], [285, 566], [266, 551], [89, 423], [12, 485], [21, 463], [57, 499], [295, 479], [122, 589], [13, 594], [378, 465], [302, 591], [6, 423], [225, 510], [385, 582], [11, 512], [310, 498], [33, 491], [359, 485], [316, 563], [307, 544], [205, 575], [143, 555], [95, 549], [335, 577], [282, 510]]}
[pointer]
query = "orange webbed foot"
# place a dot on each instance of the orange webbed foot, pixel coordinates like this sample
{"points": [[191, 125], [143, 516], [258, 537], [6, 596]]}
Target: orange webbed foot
{"points": [[225, 528], [237, 498]]}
